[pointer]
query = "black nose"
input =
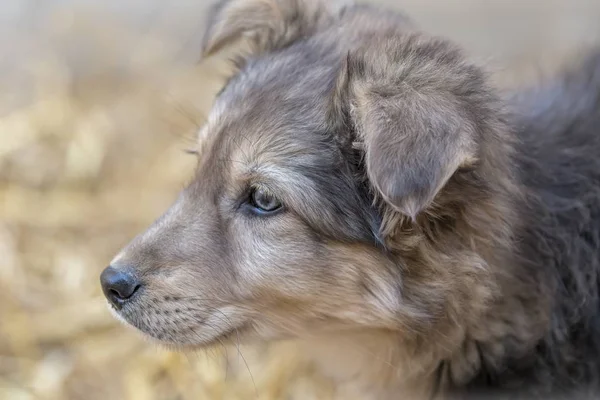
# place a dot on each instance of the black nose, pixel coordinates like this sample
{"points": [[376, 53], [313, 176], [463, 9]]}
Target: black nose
{"points": [[118, 285]]}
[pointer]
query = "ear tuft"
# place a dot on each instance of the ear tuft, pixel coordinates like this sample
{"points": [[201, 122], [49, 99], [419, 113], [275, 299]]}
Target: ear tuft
{"points": [[269, 24]]}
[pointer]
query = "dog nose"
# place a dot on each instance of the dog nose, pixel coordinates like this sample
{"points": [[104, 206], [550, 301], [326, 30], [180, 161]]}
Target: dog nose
{"points": [[118, 285]]}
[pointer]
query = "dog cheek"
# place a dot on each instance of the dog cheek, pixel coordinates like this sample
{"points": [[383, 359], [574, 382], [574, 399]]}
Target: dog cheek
{"points": [[382, 295], [280, 259]]}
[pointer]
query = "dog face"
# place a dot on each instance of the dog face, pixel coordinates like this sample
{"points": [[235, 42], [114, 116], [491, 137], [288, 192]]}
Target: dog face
{"points": [[275, 231], [332, 186]]}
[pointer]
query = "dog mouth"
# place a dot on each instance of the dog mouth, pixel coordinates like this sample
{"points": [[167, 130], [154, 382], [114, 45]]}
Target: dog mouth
{"points": [[200, 333]]}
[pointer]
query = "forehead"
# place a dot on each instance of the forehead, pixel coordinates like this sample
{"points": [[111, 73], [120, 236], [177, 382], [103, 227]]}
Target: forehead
{"points": [[274, 111]]}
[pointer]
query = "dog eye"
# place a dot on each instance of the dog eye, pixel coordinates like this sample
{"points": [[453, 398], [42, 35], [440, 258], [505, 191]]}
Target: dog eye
{"points": [[264, 202]]}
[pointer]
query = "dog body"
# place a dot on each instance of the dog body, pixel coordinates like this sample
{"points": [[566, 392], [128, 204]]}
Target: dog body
{"points": [[361, 188]]}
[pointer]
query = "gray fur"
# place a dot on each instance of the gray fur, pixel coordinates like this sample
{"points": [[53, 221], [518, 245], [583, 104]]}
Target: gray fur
{"points": [[458, 229]]}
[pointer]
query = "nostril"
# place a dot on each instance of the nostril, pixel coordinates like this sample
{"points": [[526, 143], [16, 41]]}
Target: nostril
{"points": [[116, 294], [118, 285], [123, 290]]}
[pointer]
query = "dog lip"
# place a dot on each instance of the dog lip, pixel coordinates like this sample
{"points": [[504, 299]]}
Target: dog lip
{"points": [[124, 313]]}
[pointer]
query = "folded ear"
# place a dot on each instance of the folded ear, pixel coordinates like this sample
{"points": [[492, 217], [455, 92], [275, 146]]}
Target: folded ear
{"points": [[270, 24], [419, 110]]}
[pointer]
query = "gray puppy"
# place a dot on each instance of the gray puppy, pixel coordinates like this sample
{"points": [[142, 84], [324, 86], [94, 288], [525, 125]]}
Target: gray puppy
{"points": [[362, 189]]}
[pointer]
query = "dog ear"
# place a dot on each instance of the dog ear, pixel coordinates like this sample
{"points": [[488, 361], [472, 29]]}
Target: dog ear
{"points": [[270, 24], [417, 109]]}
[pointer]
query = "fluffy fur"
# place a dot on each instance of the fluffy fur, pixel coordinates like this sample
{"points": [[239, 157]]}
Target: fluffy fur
{"points": [[434, 240]]}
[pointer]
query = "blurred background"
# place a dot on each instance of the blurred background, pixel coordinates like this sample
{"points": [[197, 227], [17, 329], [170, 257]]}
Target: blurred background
{"points": [[98, 100]]}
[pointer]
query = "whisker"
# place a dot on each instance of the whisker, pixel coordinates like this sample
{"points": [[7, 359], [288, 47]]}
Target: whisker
{"points": [[239, 351], [250, 372]]}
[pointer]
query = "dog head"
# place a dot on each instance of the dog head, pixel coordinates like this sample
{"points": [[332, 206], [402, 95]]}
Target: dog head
{"points": [[345, 182]]}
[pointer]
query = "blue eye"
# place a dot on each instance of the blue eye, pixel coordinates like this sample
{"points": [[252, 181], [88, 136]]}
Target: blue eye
{"points": [[264, 202]]}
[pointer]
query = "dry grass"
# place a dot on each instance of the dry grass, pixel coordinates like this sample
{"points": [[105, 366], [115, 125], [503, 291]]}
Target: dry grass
{"points": [[91, 151]]}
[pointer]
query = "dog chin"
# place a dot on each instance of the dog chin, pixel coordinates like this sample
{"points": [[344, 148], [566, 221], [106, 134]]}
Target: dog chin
{"points": [[235, 336]]}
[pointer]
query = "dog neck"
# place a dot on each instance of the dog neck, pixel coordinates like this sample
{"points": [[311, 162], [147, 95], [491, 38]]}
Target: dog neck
{"points": [[372, 365]]}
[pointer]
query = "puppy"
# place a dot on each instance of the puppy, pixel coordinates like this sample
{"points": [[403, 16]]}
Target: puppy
{"points": [[362, 188]]}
